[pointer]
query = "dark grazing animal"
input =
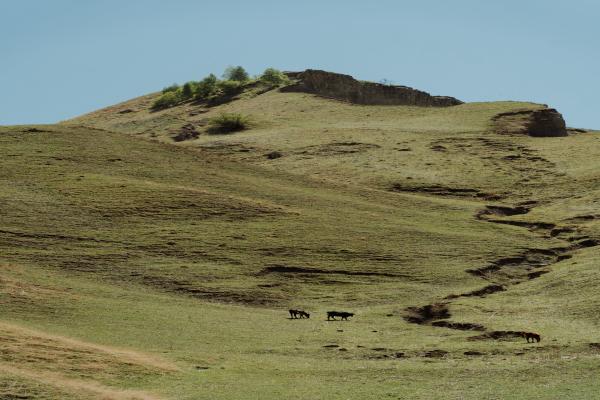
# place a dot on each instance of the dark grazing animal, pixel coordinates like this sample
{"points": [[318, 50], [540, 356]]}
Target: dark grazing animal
{"points": [[294, 314], [532, 336], [344, 315]]}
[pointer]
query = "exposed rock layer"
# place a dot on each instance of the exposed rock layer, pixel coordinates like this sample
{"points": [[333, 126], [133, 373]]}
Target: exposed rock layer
{"points": [[539, 123], [346, 88]]}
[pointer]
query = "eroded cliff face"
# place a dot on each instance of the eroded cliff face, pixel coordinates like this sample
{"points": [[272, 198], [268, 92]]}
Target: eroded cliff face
{"points": [[346, 88], [545, 122]]}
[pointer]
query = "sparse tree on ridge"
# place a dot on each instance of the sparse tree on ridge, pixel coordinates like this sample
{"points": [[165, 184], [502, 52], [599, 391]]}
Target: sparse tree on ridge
{"points": [[187, 90], [230, 87], [206, 87], [274, 76], [166, 100], [173, 88], [237, 73]]}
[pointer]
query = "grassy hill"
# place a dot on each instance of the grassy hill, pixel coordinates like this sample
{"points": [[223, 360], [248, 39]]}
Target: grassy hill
{"points": [[137, 265]]}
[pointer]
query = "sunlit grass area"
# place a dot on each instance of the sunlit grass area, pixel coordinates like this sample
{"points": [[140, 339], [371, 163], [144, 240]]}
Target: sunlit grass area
{"points": [[133, 266]]}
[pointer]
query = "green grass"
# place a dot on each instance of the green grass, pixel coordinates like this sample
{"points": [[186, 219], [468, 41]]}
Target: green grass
{"points": [[258, 353], [150, 254]]}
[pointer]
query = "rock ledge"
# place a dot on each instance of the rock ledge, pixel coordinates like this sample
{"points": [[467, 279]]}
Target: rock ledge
{"points": [[346, 88]]}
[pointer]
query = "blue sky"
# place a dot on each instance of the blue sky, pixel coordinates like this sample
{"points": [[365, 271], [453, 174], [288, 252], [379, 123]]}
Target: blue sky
{"points": [[62, 58]]}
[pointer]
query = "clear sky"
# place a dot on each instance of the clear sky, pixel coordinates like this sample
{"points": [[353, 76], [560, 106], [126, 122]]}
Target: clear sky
{"points": [[62, 58]]}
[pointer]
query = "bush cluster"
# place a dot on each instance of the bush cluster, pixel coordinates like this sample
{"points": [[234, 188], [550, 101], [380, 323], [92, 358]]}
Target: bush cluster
{"points": [[237, 74], [228, 123], [173, 88], [274, 77], [168, 99], [230, 87], [235, 78], [207, 87]]}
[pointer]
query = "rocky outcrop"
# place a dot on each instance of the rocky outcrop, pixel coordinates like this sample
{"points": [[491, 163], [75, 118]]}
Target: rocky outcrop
{"points": [[545, 122], [346, 88]]}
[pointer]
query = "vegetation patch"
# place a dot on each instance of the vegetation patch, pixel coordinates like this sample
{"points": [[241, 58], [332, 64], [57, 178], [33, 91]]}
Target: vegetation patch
{"points": [[214, 91], [228, 123]]}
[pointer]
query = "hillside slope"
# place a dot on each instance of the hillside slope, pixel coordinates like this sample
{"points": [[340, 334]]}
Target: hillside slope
{"points": [[169, 266]]}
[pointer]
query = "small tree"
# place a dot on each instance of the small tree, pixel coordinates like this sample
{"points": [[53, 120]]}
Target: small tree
{"points": [[173, 88], [274, 77], [238, 74], [206, 87], [230, 88], [187, 90], [166, 100]]}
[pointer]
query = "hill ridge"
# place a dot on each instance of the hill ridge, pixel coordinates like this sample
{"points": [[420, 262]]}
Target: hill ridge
{"points": [[345, 87]]}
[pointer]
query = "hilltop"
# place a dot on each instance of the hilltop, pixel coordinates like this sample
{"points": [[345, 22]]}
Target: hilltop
{"points": [[290, 126], [147, 256]]}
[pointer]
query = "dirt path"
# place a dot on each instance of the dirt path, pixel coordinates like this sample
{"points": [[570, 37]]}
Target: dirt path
{"points": [[125, 355], [78, 386]]}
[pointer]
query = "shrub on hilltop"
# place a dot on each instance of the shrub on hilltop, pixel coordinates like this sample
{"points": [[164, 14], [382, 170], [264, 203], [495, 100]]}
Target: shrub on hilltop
{"points": [[166, 100], [206, 88], [237, 73], [229, 87], [211, 89], [173, 88], [187, 90], [274, 77]]}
